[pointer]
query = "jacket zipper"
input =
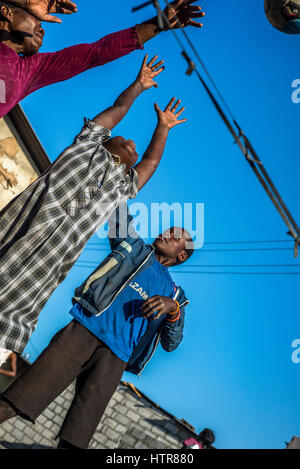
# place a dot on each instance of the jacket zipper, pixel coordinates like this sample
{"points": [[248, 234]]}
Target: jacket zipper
{"points": [[158, 338], [126, 283], [153, 351]]}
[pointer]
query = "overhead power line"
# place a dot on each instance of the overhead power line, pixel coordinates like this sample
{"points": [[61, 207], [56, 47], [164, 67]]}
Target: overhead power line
{"points": [[234, 128], [211, 250], [251, 242], [246, 249], [202, 266], [104, 243], [214, 273], [235, 273], [93, 265], [263, 266]]}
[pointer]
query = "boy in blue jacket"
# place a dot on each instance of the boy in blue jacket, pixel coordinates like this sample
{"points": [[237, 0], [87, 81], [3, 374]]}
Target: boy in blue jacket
{"points": [[121, 312]]}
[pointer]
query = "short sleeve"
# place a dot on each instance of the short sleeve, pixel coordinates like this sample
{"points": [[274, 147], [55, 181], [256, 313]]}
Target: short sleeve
{"points": [[132, 181], [94, 132], [86, 158]]}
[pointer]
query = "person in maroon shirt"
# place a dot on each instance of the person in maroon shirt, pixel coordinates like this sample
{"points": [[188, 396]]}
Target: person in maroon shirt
{"points": [[23, 70]]}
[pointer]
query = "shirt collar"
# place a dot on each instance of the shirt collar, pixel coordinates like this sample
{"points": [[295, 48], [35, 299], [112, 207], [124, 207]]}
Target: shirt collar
{"points": [[8, 51]]}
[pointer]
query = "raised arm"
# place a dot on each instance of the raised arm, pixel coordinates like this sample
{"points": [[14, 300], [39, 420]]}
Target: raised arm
{"points": [[180, 13], [41, 9], [167, 119], [145, 80]]}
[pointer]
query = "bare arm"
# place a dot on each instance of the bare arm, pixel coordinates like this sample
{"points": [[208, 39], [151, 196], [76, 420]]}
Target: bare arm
{"points": [[114, 114], [42, 8], [167, 119], [179, 13], [13, 364]]}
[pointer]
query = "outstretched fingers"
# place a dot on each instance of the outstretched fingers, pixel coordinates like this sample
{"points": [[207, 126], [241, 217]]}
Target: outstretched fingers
{"points": [[158, 71], [152, 61], [195, 24], [181, 122], [180, 112], [170, 105], [194, 14], [65, 7], [50, 19], [190, 2], [144, 64], [68, 4], [156, 66], [175, 106]]}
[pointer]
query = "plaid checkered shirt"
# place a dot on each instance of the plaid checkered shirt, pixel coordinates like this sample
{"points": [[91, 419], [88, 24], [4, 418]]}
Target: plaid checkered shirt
{"points": [[45, 228]]}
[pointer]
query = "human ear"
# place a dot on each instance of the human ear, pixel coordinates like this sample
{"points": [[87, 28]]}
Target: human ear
{"points": [[6, 13], [182, 257]]}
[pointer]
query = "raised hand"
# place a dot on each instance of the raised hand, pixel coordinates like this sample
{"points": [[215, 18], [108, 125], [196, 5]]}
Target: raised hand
{"points": [[180, 14], [42, 8], [150, 71], [169, 117]]}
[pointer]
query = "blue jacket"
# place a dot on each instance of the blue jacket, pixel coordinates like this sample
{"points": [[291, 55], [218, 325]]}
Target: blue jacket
{"points": [[128, 258]]}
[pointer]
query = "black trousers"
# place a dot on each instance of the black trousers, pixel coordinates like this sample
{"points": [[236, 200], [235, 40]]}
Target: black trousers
{"points": [[72, 353]]}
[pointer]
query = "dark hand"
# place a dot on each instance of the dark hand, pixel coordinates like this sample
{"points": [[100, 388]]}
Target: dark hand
{"points": [[181, 13], [160, 304], [169, 117], [150, 71], [41, 9]]}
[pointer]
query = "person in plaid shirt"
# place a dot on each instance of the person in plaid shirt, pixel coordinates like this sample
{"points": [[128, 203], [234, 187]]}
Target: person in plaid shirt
{"points": [[45, 228]]}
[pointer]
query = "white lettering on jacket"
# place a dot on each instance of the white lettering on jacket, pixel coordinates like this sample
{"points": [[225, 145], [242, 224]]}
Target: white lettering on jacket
{"points": [[139, 289]]}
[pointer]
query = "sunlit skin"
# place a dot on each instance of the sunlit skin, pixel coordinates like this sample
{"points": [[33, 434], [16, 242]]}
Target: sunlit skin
{"points": [[44, 9], [125, 149], [13, 366], [170, 248], [21, 31]]}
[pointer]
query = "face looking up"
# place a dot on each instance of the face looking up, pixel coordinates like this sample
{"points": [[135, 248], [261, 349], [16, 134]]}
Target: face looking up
{"points": [[172, 244], [25, 30], [123, 148]]}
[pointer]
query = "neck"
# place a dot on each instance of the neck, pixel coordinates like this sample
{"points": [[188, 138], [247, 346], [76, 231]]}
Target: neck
{"points": [[8, 38], [165, 261]]}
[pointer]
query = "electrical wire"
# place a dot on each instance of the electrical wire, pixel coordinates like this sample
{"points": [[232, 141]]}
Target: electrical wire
{"points": [[95, 249], [235, 273], [215, 273], [240, 138], [202, 64], [218, 242]]}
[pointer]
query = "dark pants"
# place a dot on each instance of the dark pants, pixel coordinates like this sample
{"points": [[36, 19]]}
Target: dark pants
{"points": [[72, 353]]}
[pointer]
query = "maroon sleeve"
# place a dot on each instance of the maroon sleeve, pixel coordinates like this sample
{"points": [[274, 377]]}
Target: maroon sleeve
{"points": [[48, 68]]}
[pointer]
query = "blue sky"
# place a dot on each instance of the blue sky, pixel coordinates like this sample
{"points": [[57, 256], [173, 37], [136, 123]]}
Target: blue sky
{"points": [[233, 371]]}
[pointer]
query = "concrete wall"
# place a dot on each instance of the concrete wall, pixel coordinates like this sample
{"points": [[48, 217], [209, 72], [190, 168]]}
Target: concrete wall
{"points": [[130, 422]]}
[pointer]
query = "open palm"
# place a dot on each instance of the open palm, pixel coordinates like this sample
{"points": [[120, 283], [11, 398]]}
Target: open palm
{"points": [[169, 117], [182, 13], [149, 71], [42, 9]]}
